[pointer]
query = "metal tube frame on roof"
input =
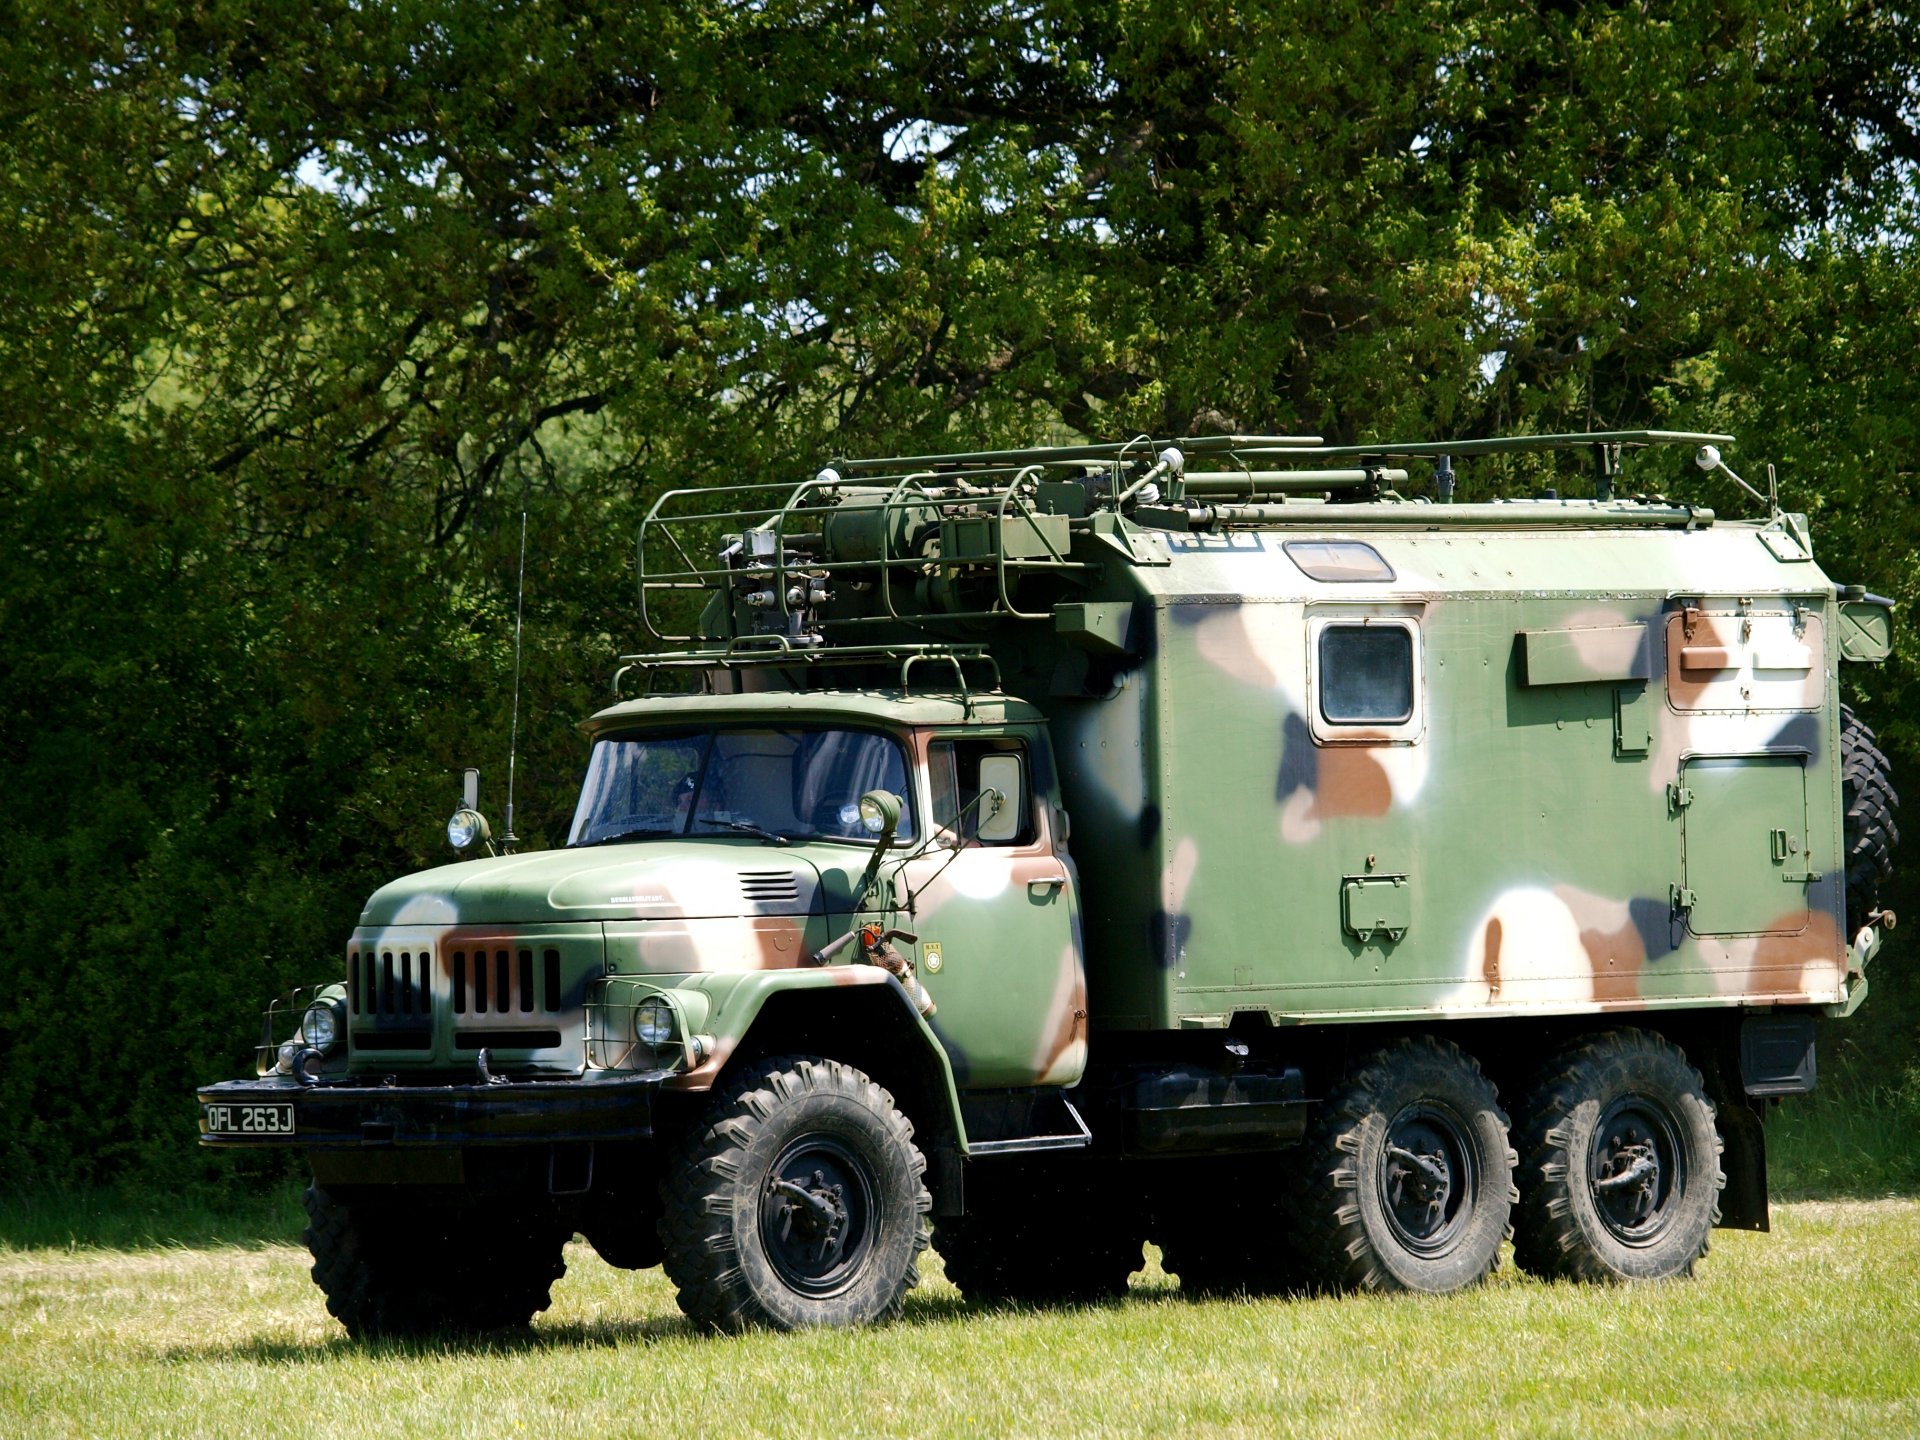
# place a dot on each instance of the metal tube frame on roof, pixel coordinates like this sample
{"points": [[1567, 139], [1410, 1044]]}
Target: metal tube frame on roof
{"points": [[908, 492], [774, 651], [1062, 454], [1500, 514], [1504, 444]]}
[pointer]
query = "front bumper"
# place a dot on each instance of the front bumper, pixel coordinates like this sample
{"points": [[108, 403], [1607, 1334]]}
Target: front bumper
{"points": [[361, 1117]]}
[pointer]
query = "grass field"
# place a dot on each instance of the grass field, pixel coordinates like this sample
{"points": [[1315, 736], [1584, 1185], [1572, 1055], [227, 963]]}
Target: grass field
{"points": [[1812, 1330]]}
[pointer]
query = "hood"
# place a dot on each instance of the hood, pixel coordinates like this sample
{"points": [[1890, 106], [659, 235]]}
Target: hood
{"points": [[647, 880]]}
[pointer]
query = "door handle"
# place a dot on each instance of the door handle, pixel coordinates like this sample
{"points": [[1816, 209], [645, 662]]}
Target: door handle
{"points": [[1045, 887]]}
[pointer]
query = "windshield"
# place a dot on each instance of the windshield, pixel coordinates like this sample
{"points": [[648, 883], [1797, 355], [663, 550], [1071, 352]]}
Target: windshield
{"points": [[802, 783]]}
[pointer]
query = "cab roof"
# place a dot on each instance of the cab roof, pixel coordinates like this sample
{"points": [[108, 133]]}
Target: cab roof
{"points": [[850, 707]]}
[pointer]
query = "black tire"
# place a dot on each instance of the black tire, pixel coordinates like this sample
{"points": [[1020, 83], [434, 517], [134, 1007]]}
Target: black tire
{"points": [[1229, 1235], [1868, 798], [1620, 1174], [1039, 1233], [798, 1201], [1405, 1180], [393, 1269]]}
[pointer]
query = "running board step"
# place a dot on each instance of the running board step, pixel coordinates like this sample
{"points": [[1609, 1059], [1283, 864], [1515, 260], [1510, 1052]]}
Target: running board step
{"points": [[1022, 1122]]}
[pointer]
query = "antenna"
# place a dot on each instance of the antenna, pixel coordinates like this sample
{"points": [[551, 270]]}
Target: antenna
{"points": [[509, 840]]}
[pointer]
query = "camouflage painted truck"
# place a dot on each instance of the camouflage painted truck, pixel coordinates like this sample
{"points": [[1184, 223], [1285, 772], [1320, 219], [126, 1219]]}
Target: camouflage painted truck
{"points": [[1058, 850]]}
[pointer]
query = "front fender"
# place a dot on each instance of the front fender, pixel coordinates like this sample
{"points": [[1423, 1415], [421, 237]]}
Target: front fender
{"points": [[736, 1000]]}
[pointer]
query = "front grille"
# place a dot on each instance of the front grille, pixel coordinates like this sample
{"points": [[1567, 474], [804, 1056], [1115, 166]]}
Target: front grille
{"points": [[391, 993], [770, 887], [505, 982]]}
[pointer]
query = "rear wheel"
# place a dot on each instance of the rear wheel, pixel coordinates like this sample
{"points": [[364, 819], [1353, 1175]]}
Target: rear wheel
{"points": [[1620, 1175], [798, 1202], [395, 1270], [1867, 795], [1406, 1181]]}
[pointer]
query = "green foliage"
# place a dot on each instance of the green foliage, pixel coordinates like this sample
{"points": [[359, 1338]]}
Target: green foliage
{"points": [[306, 304]]}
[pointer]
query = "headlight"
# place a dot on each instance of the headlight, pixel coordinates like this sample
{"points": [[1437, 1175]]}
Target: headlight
{"points": [[322, 1025], [879, 812], [653, 1022], [465, 827]]}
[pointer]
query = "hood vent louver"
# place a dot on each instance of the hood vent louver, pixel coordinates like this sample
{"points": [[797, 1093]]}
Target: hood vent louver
{"points": [[770, 887]]}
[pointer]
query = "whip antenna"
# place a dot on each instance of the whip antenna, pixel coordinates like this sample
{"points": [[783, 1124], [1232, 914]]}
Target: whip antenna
{"points": [[509, 840]]}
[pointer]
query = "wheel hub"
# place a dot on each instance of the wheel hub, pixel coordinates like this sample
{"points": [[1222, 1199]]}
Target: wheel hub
{"points": [[1425, 1178], [816, 1215], [1635, 1170]]}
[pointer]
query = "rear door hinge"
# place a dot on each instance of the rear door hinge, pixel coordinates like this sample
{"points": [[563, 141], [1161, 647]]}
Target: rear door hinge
{"points": [[1678, 797], [1681, 897]]}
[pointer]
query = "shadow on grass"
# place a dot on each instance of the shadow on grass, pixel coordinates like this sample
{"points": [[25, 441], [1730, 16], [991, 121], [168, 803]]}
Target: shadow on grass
{"points": [[149, 1219], [604, 1334], [588, 1335]]}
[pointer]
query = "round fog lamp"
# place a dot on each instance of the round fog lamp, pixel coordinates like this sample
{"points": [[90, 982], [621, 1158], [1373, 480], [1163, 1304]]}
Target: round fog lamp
{"points": [[320, 1026], [653, 1022]]}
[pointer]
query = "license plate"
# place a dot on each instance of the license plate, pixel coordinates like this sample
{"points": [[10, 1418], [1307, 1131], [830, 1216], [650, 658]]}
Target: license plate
{"points": [[249, 1119]]}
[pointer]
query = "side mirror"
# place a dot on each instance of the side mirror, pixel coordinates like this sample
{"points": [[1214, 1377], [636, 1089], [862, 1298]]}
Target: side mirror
{"points": [[999, 820]]}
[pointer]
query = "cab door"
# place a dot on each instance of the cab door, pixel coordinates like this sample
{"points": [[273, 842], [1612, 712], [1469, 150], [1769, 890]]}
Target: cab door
{"points": [[995, 906]]}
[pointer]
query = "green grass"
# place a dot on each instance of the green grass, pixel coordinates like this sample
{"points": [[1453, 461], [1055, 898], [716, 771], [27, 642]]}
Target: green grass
{"points": [[1847, 1140], [143, 1219], [1807, 1331], [147, 1313]]}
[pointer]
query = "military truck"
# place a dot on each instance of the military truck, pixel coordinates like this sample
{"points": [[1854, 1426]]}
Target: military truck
{"points": [[1197, 842]]}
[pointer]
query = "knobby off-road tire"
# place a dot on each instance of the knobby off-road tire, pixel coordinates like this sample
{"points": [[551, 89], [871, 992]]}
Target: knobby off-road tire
{"points": [[799, 1200], [1405, 1180], [1620, 1163], [1230, 1237], [1868, 798], [393, 1269], [1035, 1236]]}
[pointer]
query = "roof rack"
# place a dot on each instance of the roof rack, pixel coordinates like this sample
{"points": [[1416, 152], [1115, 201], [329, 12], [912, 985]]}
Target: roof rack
{"points": [[1008, 535], [1146, 447], [1607, 447], [776, 651], [1507, 444]]}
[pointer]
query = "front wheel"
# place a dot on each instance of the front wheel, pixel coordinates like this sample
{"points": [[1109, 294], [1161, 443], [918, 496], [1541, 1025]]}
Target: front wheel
{"points": [[1406, 1180], [391, 1269], [799, 1201], [1620, 1177]]}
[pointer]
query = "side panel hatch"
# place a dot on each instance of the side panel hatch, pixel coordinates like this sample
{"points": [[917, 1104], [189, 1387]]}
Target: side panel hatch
{"points": [[1744, 844]]}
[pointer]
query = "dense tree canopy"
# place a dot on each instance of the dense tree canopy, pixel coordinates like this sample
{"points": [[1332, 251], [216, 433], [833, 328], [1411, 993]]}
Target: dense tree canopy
{"points": [[304, 305]]}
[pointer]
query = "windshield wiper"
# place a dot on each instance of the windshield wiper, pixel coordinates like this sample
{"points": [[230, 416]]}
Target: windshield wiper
{"points": [[747, 827], [641, 833]]}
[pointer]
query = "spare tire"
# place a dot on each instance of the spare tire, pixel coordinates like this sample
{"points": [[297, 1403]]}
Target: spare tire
{"points": [[1866, 791]]}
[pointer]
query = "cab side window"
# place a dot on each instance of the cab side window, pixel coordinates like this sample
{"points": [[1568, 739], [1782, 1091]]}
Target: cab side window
{"points": [[954, 770]]}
